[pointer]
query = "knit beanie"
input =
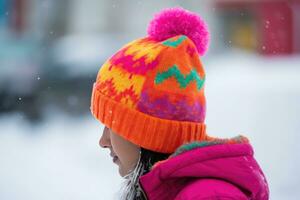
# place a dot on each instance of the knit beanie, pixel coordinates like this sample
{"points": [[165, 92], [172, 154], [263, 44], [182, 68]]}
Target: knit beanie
{"points": [[151, 91]]}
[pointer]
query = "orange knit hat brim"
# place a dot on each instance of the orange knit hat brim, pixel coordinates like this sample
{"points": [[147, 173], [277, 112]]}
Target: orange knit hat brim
{"points": [[156, 134]]}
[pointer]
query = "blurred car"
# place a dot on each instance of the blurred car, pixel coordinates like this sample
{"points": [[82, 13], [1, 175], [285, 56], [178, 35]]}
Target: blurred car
{"points": [[72, 65], [19, 74]]}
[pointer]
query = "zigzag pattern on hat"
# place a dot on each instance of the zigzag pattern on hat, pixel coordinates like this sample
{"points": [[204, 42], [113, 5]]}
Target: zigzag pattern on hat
{"points": [[127, 96], [183, 81], [133, 60], [120, 85]]}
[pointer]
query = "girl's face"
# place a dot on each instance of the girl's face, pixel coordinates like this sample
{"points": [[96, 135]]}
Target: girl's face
{"points": [[124, 153]]}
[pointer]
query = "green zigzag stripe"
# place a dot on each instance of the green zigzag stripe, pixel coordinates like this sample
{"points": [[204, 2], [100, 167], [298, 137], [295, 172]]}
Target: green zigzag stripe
{"points": [[183, 81], [175, 43]]}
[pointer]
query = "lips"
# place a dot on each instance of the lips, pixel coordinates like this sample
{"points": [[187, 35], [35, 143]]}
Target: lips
{"points": [[114, 157]]}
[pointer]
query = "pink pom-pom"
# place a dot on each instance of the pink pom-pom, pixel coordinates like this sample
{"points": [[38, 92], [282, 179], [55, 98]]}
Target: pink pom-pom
{"points": [[178, 21]]}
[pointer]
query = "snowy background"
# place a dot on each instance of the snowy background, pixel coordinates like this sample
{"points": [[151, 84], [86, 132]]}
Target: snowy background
{"points": [[60, 157], [49, 59]]}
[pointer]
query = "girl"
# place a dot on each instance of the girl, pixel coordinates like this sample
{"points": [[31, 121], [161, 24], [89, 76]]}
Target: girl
{"points": [[150, 97]]}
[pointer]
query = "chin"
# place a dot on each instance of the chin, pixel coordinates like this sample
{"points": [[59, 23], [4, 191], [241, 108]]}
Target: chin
{"points": [[122, 173]]}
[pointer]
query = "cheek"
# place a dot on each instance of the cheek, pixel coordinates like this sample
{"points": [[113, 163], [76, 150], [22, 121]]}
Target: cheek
{"points": [[127, 152]]}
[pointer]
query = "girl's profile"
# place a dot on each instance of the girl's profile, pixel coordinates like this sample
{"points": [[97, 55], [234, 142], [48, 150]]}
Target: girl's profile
{"points": [[150, 97]]}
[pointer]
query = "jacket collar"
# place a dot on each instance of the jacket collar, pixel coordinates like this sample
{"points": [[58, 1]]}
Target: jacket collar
{"points": [[227, 159]]}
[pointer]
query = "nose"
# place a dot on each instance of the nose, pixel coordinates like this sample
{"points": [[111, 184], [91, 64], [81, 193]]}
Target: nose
{"points": [[104, 141]]}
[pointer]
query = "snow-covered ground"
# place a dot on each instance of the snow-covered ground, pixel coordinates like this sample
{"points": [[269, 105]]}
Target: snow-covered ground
{"points": [[60, 159]]}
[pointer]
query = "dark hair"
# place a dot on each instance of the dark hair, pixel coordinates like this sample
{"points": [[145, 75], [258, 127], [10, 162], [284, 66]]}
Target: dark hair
{"points": [[147, 159]]}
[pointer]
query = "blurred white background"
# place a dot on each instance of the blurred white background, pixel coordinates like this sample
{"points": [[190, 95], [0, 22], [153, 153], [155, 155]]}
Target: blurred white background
{"points": [[50, 52]]}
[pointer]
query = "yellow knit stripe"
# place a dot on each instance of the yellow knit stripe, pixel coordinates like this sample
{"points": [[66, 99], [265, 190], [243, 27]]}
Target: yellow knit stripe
{"points": [[121, 78], [144, 48]]}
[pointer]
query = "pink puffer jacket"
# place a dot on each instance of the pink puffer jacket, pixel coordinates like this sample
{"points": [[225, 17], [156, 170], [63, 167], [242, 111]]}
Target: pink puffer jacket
{"points": [[207, 171]]}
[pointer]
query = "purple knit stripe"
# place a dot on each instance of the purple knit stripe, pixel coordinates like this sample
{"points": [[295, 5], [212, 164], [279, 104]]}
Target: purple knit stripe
{"points": [[163, 108]]}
